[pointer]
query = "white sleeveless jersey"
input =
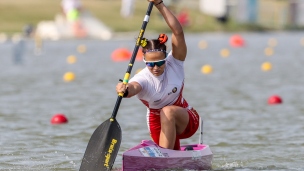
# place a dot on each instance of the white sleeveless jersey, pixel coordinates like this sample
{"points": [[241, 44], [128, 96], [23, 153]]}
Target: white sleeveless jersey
{"points": [[163, 90]]}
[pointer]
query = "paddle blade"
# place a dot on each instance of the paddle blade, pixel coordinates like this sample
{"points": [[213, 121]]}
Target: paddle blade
{"points": [[102, 148]]}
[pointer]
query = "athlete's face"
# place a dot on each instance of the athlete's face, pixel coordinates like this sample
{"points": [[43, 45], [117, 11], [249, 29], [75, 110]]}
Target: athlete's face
{"points": [[155, 62]]}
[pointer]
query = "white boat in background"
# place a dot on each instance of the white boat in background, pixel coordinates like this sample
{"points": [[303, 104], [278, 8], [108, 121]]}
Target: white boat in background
{"points": [[148, 155], [216, 8], [60, 28]]}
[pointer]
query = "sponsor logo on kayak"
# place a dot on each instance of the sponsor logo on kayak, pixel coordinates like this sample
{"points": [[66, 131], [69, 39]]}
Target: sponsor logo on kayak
{"points": [[108, 155]]}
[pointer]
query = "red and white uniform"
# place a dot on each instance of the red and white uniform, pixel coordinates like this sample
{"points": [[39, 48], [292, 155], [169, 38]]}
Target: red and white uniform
{"points": [[165, 90]]}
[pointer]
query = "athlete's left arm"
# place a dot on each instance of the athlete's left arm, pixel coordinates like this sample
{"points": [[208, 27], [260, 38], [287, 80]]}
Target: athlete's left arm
{"points": [[179, 47]]}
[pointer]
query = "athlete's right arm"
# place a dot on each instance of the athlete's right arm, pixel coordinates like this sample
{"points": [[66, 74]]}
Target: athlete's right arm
{"points": [[132, 88]]}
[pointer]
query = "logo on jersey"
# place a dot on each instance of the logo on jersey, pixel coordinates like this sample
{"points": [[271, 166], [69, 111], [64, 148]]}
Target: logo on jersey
{"points": [[173, 90], [157, 100]]}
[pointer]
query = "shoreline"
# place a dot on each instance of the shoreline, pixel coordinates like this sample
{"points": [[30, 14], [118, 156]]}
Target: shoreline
{"points": [[101, 10], [132, 35]]}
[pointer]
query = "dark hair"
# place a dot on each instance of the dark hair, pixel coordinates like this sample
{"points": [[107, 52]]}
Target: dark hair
{"points": [[155, 44]]}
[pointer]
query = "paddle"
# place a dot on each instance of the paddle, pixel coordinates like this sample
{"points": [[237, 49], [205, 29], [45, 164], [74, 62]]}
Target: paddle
{"points": [[104, 144]]}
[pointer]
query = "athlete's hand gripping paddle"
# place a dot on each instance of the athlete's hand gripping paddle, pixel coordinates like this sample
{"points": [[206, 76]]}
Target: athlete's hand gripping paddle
{"points": [[104, 144]]}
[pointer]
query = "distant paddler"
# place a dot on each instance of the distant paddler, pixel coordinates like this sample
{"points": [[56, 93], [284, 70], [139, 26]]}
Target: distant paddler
{"points": [[72, 10]]}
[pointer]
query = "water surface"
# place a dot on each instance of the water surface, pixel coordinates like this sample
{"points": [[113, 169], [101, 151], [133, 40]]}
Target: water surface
{"points": [[243, 131]]}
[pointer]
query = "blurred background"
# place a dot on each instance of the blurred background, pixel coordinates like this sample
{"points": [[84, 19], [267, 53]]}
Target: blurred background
{"points": [[126, 15], [60, 61]]}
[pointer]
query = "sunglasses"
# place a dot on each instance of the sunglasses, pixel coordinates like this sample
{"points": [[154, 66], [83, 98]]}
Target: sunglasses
{"points": [[157, 63]]}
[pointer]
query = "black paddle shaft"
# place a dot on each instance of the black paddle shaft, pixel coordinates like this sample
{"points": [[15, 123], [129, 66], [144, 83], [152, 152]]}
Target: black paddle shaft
{"points": [[102, 148], [130, 66], [104, 143]]}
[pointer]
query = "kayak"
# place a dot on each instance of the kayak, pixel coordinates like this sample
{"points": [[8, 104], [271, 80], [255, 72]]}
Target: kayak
{"points": [[148, 155]]}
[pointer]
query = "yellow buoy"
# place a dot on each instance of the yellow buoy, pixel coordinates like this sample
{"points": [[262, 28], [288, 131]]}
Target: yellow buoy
{"points": [[69, 76], [203, 44], [225, 53], [266, 66], [272, 42], [81, 48], [71, 59], [268, 51], [206, 69]]}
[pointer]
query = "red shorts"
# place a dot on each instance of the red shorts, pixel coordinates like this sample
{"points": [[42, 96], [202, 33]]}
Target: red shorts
{"points": [[155, 127]]}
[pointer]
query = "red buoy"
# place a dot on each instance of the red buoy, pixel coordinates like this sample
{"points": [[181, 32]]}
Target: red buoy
{"points": [[59, 119], [275, 99], [236, 41], [121, 54]]}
